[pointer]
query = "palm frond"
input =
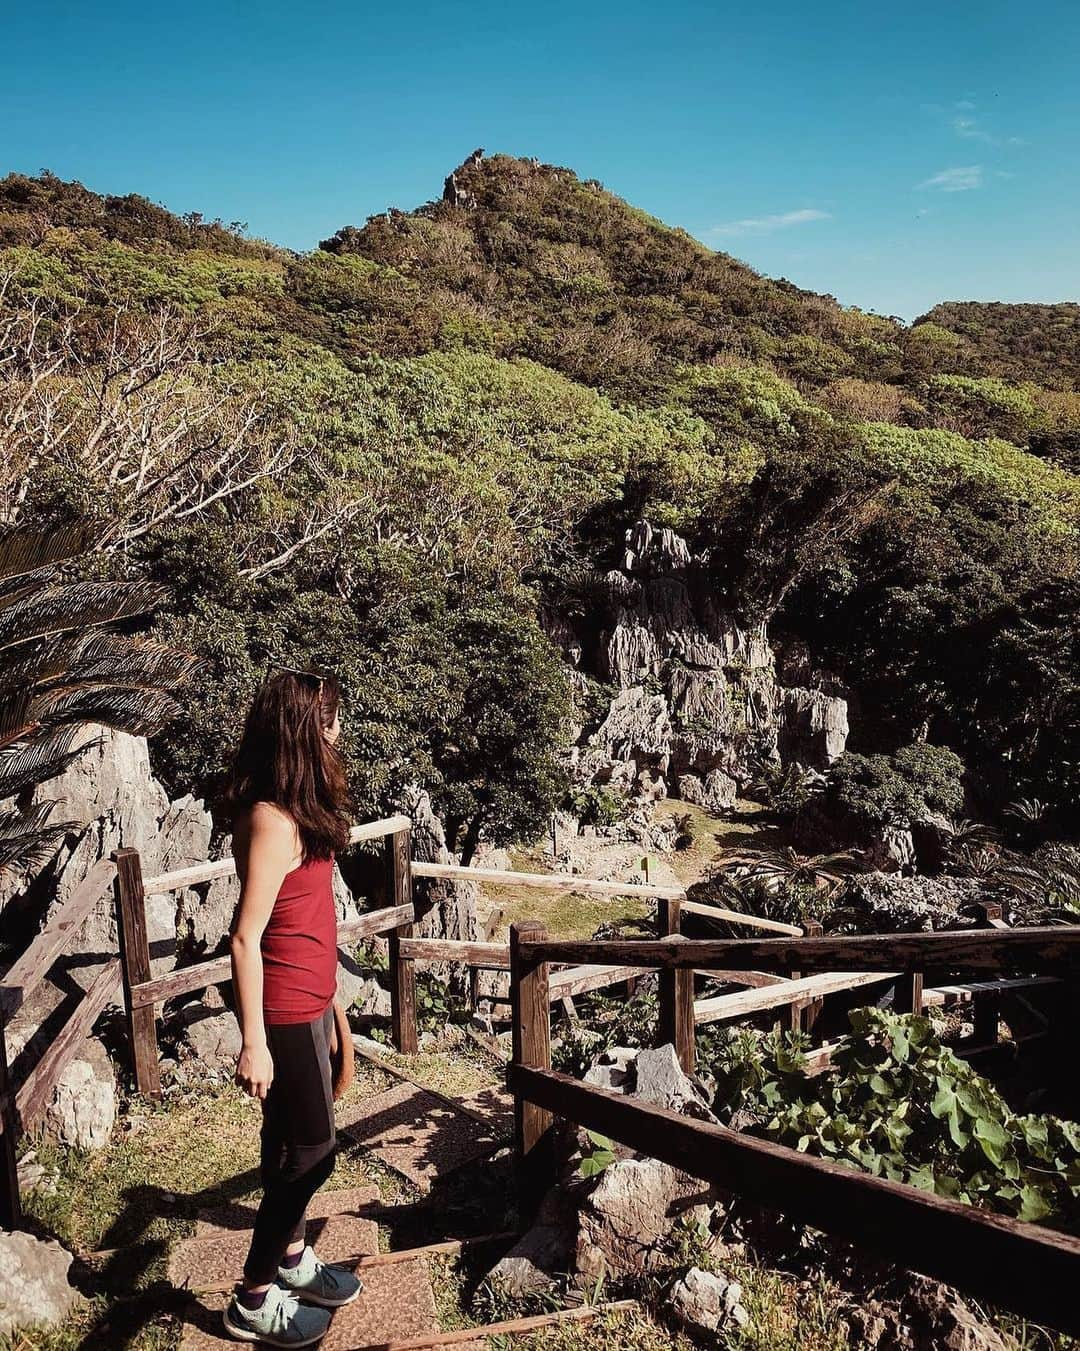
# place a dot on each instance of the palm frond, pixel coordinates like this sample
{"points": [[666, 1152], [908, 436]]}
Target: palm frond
{"points": [[82, 605], [129, 661], [138, 711], [23, 766], [26, 550], [27, 838], [15, 720]]}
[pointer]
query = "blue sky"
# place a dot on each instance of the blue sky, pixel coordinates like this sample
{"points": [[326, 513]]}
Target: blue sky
{"points": [[891, 155]]}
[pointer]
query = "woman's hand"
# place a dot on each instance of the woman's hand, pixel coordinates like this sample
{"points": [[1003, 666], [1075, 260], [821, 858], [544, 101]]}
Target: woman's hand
{"points": [[255, 1070]]}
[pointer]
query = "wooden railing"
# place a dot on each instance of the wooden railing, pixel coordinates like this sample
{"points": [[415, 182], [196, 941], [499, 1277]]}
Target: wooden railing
{"points": [[1023, 1266], [589, 967], [22, 1108]]}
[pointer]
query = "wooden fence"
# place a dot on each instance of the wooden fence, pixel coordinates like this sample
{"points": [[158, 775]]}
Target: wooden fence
{"points": [[588, 966], [1023, 1266]]}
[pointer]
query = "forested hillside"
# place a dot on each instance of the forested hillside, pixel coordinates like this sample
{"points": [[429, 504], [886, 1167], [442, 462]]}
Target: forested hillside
{"points": [[395, 453]]}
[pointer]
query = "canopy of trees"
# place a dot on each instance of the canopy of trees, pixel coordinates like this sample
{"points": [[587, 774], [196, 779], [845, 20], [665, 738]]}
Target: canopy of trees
{"points": [[394, 453]]}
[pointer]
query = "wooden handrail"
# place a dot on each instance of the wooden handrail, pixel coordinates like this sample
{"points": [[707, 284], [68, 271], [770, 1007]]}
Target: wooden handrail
{"points": [[26, 972], [541, 881], [577, 980], [1029, 1269], [34, 1092], [790, 992], [225, 867], [485, 956], [219, 969], [1048, 950], [741, 917]]}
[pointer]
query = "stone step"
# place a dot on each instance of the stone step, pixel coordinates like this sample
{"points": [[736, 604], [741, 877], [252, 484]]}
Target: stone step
{"points": [[397, 1303], [418, 1133], [208, 1263]]}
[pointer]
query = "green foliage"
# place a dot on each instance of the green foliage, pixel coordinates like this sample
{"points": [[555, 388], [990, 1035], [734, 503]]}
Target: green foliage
{"points": [[598, 805], [915, 783], [900, 1105], [598, 1158], [607, 1021]]}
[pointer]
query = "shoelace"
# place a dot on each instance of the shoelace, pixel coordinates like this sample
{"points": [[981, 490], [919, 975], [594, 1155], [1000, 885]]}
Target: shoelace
{"points": [[287, 1307]]}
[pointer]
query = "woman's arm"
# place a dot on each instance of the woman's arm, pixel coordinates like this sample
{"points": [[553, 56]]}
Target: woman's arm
{"points": [[265, 845]]}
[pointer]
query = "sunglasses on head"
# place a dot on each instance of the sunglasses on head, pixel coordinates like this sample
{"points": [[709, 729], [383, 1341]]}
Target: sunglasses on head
{"points": [[273, 665]]}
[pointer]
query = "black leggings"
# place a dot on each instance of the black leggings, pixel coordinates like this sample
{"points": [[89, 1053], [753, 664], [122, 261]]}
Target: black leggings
{"points": [[298, 1140]]}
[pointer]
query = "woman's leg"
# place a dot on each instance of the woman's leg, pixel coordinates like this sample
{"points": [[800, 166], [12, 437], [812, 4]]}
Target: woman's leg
{"points": [[298, 1142]]}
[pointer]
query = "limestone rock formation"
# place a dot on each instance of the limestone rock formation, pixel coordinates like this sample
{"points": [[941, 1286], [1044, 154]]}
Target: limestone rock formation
{"points": [[622, 1222], [698, 700]]}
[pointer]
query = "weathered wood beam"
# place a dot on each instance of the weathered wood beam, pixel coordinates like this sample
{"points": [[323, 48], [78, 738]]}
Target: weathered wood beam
{"points": [[1047, 950], [36, 1089], [718, 912], [51, 943], [797, 993], [541, 881], [487, 956], [225, 867]]}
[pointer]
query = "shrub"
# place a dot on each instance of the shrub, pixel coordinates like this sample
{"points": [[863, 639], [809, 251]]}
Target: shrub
{"points": [[900, 1105], [916, 782]]}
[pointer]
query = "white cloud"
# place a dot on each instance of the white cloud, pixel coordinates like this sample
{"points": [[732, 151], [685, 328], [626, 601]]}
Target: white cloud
{"points": [[970, 130], [963, 179], [758, 225]]}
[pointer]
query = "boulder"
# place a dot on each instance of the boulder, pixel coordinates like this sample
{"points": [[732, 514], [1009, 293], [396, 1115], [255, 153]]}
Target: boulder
{"points": [[705, 1302], [34, 1278], [372, 1001], [211, 1038], [660, 1079], [937, 1316], [82, 1111], [813, 727], [715, 793], [543, 1252], [622, 1223]]}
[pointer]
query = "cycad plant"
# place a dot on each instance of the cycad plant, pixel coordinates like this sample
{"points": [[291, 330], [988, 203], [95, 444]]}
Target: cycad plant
{"points": [[63, 665]]}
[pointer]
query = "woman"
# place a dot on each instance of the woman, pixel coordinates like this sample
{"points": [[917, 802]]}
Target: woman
{"points": [[290, 814]]}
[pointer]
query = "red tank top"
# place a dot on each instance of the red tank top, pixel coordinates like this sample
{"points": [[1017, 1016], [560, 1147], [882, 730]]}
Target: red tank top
{"points": [[299, 946]]}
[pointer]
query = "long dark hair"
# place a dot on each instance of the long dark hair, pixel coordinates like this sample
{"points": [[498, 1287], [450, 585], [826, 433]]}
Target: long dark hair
{"points": [[284, 757]]}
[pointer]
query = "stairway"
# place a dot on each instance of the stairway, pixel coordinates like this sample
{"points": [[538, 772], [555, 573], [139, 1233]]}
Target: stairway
{"points": [[420, 1134]]}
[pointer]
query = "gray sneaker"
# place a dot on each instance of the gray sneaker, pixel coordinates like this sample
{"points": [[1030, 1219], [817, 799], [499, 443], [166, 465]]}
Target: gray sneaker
{"points": [[312, 1280], [281, 1321]]}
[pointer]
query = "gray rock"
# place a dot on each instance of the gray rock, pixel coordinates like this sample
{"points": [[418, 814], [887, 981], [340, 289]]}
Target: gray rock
{"points": [[715, 793], [813, 727], [372, 1001], [888, 903], [82, 1111], [34, 1280], [660, 1079], [213, 1039], [543, 1252], [705, 1302], [623, 1221], [614, 1069]]}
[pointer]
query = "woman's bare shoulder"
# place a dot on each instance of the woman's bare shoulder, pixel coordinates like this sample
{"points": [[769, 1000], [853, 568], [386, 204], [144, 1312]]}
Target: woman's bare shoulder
{"points": [[267, 822]]}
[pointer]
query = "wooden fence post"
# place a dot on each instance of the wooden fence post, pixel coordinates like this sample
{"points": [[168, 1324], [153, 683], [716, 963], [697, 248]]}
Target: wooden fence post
{"points": [[803, 1020], [135, 967], [10, 1202], [530, 1005], [676, 991], [908, 993], [402, 970]]}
